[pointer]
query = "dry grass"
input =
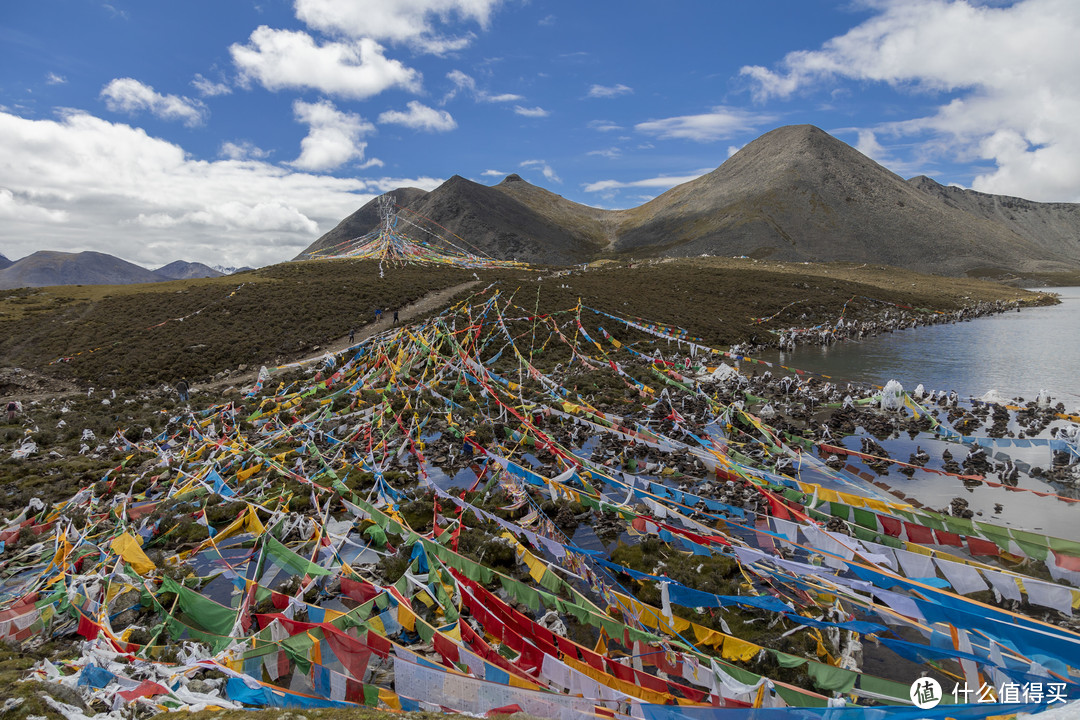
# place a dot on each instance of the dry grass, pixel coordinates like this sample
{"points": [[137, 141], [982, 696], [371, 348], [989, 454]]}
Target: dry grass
{"points": [[116, 339]]}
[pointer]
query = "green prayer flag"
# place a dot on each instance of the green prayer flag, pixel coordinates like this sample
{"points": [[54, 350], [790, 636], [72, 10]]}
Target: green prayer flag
{"points": [[827, 677], [215, 618], [866, 518], [286, 559], [788, 661]]}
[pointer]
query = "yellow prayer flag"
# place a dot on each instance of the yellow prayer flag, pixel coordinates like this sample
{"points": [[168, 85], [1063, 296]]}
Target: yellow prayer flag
{"points": [[390, 698], [736, 649], [128, 548]]}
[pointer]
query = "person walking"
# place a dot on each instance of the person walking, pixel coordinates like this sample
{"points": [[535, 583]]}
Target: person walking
{"points": [[395, 317], [352, 333], [12, 408], [378, 314], [182, 389]]}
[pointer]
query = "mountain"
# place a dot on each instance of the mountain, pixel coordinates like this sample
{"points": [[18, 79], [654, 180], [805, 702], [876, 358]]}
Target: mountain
{"points": [[796, 193], [1051, 225], [4, 262], [46, 267], [228, 270], [181, 270], [486, 220]]}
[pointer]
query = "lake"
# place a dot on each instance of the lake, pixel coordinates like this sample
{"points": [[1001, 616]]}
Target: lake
{"points": [[1017, 354]]}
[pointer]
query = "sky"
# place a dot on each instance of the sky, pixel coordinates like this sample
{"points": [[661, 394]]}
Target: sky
{"points": [[236, 133]]}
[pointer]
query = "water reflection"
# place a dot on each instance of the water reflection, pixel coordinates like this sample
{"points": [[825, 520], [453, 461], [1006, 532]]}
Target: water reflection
{"points": [[1016, 354]]}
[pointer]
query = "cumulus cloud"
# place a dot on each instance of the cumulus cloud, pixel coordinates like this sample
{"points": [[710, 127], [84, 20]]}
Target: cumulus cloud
{"points": [[79, 182], [420, 117], [609, 91], [719, 124], [13, 208], [493, 173], [127, 95], [664, 182], [466, 83], [262, 216], [242, 150], [547, 171], [280, 59], [535, 112], [333, 136], [411, 22], [54, 79], [1008, 77], [209, 88]]}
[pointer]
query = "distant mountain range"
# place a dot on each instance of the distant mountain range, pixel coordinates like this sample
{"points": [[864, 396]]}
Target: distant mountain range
{"points": [[795, 194], [91, 268], [180, 270]]}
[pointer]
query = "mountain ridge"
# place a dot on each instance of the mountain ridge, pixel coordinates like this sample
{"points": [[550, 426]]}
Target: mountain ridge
{"points": [[796, 194], [183, 270], [49, 267]]}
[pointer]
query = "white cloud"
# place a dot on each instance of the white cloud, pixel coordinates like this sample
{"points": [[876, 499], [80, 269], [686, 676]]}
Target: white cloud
{"points": [[79, 182], [243, 150], [664, 182], [611, 153], [467, 83], [130, 96], [536, 112], [1011, 74], [209, 88], [12, 208], [604, 125], [411, 22], [54, 79], [279, 59], [333, 136], [545, 169], [494, 173], [609, 91], [260, 217], [420, 117], [721, 123]]}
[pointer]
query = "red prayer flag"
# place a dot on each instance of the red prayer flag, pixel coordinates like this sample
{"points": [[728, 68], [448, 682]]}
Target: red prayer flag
{"points": [[891, 526], [144, 689], [982, 547], [919, 533], [88, 628], [1066, 562], [947, 538]]}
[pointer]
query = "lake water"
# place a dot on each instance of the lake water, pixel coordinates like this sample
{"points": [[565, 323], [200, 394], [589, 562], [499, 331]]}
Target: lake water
{"points": [[1017, 354]]}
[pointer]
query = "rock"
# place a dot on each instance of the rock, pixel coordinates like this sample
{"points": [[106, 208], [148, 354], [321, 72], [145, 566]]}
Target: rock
{"points": [[199, 686], [64, 694]]}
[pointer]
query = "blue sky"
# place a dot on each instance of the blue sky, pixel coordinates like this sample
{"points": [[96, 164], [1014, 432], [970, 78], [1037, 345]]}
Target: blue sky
{"points": [[238, 132]]}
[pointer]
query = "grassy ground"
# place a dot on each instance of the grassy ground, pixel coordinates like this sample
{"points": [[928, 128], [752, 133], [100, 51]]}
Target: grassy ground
{"points": [[125, 337], [116, 336]]}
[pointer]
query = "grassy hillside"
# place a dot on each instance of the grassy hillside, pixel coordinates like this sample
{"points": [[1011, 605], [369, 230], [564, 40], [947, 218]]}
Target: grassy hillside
{"points": [[131, 336]]}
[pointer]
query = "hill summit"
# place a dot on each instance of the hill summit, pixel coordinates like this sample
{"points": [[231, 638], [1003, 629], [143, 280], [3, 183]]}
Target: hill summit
{"points": [[795, 194]]}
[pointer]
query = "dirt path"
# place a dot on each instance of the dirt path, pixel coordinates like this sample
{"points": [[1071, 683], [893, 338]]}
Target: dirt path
{"points": [[432, 301]]}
